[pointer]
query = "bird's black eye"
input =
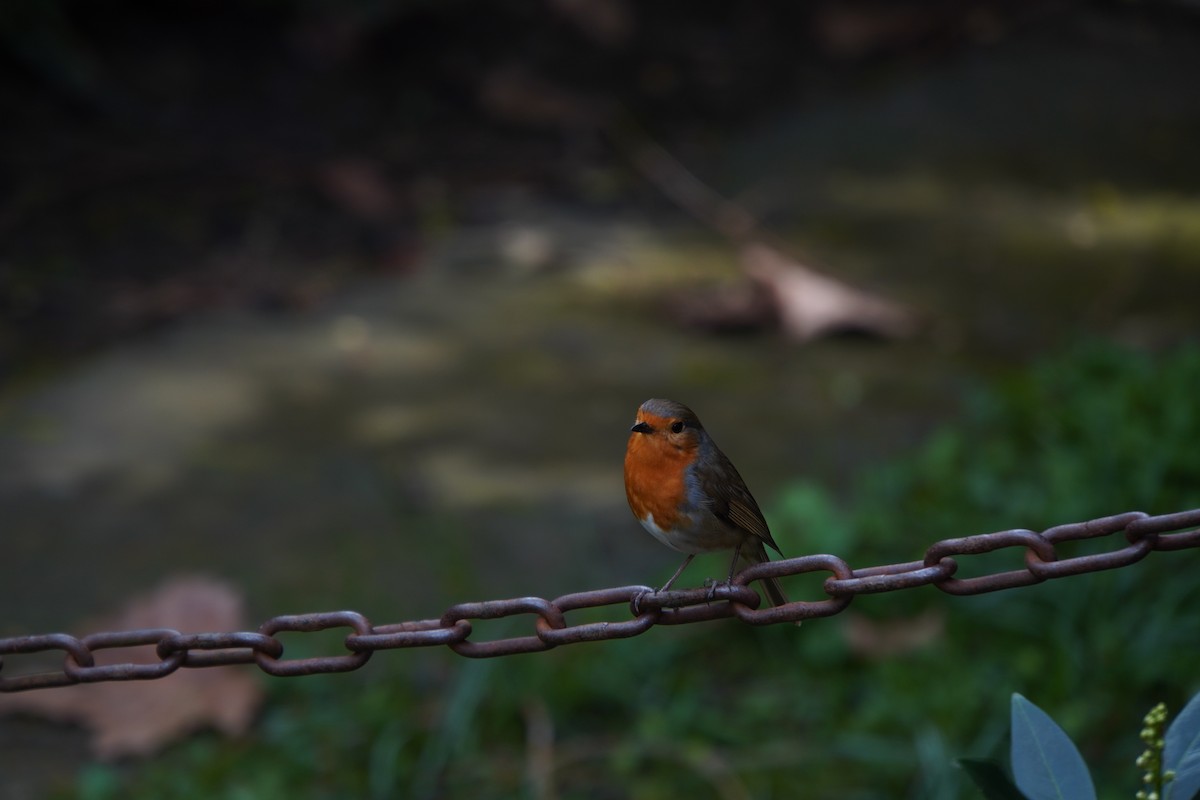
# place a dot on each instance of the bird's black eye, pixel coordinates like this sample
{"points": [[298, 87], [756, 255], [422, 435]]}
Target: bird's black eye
{"points": [[677, 426]]}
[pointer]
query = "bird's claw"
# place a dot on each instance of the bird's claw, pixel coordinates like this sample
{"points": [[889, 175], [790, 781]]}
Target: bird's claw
{"points": [[713, 584], [636, 603]]}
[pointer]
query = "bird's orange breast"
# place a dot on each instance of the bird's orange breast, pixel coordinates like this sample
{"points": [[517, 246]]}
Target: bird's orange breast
{"points": [[655, 479]]}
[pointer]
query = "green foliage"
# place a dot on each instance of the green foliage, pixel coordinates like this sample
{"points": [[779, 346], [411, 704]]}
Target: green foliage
{"points": [[1047, 766], [724, 710], [1180, 751], [1097, 430], [990, 779]]}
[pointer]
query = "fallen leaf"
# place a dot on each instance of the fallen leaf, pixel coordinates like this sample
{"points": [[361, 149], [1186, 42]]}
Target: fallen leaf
{"points": [[137, 718], [810, 305]]}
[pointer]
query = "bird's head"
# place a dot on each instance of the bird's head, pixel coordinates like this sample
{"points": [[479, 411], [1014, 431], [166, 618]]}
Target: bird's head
{"points": [[667, 422]]}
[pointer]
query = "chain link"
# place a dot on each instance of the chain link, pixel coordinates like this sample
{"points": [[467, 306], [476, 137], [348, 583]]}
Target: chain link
{"points": [[646, 608]]}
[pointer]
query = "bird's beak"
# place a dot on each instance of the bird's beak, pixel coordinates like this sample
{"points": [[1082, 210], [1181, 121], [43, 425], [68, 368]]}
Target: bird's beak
{"points": [[641, 427]]}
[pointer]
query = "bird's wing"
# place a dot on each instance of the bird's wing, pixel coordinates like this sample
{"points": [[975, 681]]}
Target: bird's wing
{"points": [[733, 503]]}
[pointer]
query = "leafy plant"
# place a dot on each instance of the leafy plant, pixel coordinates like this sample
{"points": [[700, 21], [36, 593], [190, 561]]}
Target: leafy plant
{"points": [[1046, 765]]}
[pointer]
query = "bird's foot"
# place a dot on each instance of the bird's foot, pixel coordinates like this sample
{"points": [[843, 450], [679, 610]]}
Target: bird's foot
{"points": [[636, 603], [712, 584]]}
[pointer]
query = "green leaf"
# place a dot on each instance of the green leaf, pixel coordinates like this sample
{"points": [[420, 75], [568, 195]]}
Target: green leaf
{"points": [[1045, 763], [1182, 752], [989, 778]]}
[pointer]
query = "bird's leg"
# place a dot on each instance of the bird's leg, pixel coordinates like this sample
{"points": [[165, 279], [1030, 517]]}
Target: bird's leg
{"points": [[678, 572], [712, 583], [637, 601], [737, 551]]}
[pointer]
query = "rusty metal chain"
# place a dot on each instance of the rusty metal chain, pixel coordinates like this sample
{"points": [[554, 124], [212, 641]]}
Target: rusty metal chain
{"points": [[646, 608]]}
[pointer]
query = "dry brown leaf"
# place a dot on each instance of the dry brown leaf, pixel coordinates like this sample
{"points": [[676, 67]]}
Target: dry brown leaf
{"points": [[810, 304], [884, 638], [139, 717]]}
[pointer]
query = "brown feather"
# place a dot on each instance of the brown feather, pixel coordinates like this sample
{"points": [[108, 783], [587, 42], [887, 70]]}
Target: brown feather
{"points": [[732, 501], [755, 553]]}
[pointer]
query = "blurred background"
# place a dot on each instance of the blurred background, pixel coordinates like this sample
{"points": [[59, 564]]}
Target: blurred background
{"points": [[308, 306]]}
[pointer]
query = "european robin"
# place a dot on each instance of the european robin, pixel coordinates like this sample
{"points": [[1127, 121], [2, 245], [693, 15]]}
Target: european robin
{"points": [[688, 494]]}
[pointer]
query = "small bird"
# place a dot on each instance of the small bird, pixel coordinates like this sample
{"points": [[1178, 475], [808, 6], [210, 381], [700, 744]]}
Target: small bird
{"points": [[688, 495]]}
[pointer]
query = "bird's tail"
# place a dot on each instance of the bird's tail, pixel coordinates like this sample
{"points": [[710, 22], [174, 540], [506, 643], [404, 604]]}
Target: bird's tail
{"points": [[757, 555], [774, 592]]}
